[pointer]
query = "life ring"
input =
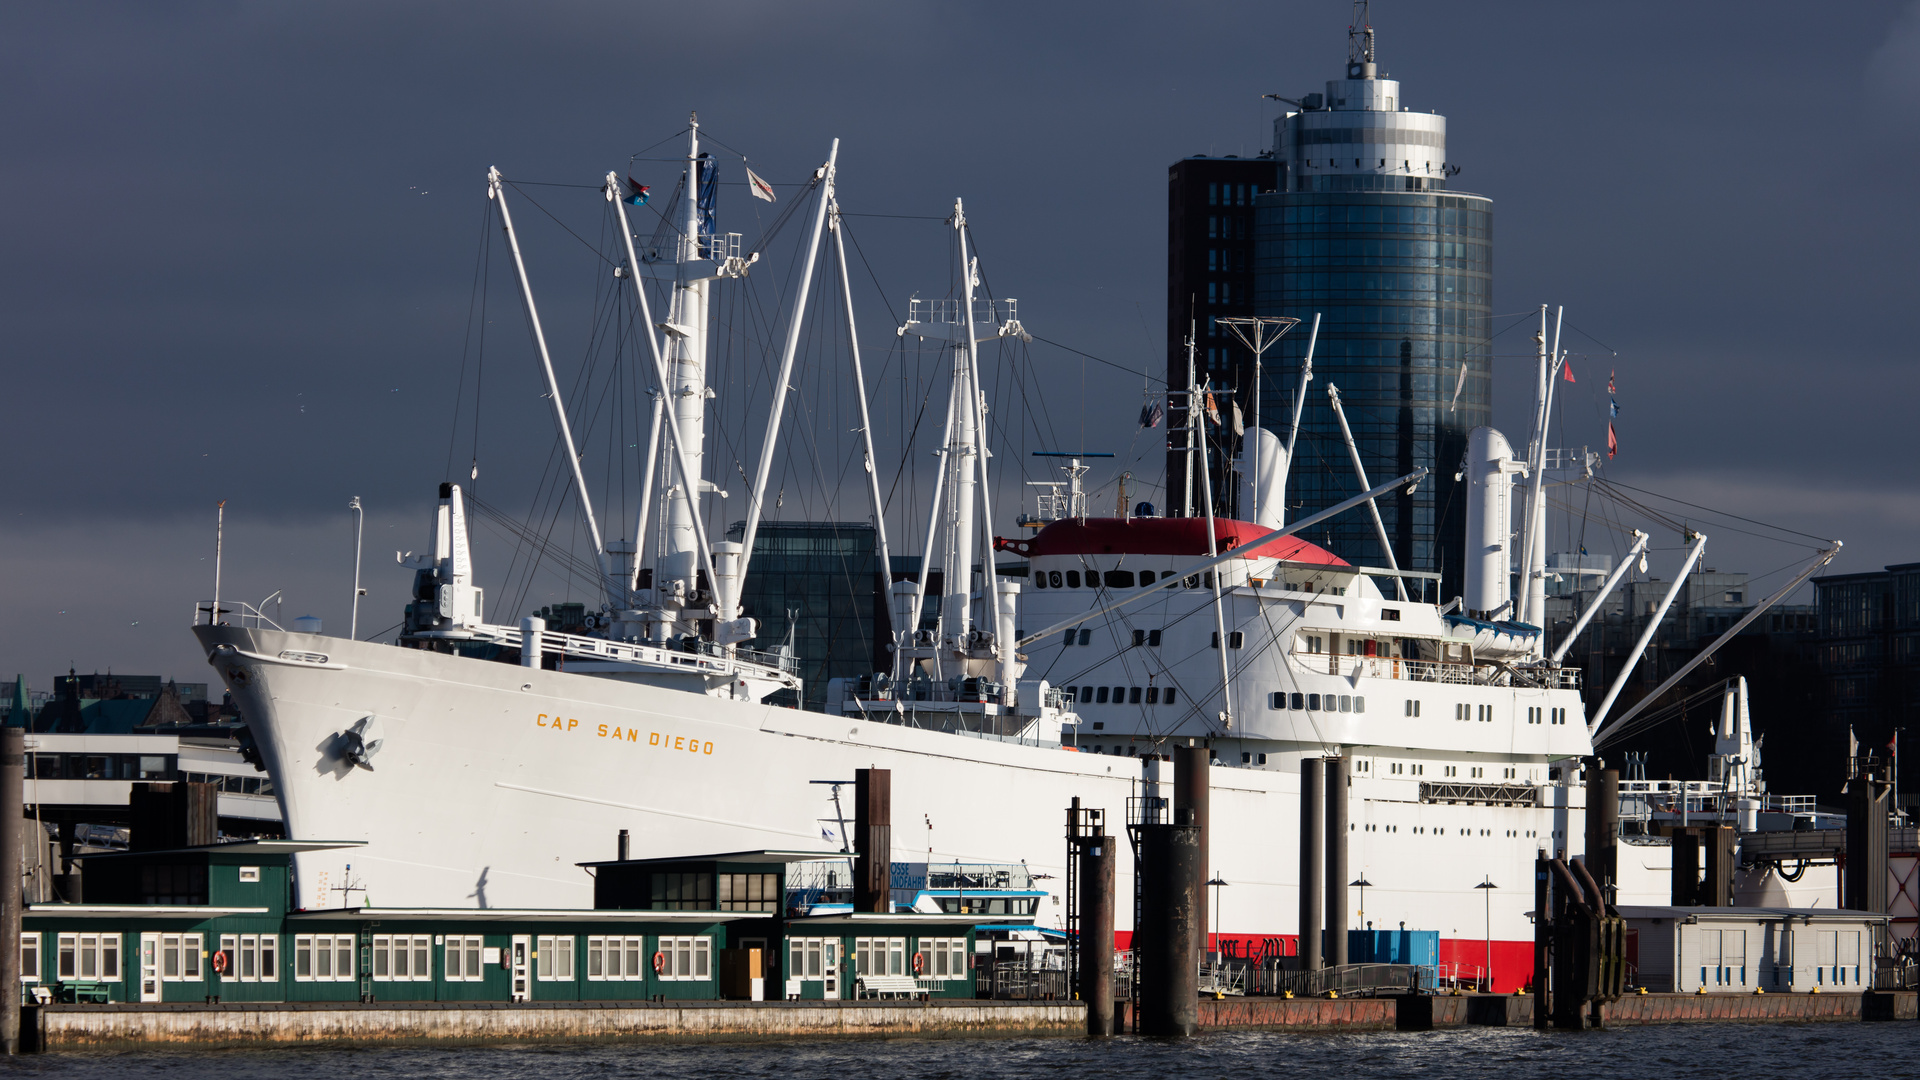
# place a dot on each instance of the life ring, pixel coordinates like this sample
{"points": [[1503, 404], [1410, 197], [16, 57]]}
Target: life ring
{"points": [[919, 962], [659, 962], [220, 961]]}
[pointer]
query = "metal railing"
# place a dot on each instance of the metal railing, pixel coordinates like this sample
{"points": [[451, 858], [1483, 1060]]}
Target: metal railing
{"points": [[1389, 667], [1020, 979], [995, 312], [1356, 980], [243, 615]]}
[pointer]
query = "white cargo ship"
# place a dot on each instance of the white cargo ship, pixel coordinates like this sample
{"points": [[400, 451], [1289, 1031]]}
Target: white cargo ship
{"points": [[482, 760]]}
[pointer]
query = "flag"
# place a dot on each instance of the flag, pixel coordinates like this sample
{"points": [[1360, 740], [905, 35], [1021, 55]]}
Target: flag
{"points": [[636, 192], [1458, 384], [1613, 442], [760, 188], [1150, 414], [1213, 410], [1613, 408], [1566, 370], [1610, 388], [1239, 427]]}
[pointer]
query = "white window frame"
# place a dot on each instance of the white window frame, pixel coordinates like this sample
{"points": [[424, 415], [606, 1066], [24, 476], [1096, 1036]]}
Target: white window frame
{"points": [[403, 958], [256, 957], [553, 958], [806, 957], [944, 959], [892, 952], [180, 958], [465, 959], [320, 956], [101, 954], [249, 873], [687, 959], [30, 957], [618, 958]]}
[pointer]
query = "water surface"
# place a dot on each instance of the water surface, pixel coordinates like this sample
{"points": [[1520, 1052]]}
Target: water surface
{"points": [[1843, 1051]]}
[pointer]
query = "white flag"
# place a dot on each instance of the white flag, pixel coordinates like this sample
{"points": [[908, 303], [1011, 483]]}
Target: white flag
{"points": [[760, 188]]}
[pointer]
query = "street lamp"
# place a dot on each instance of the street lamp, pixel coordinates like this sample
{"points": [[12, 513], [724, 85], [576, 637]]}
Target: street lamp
{"points": [[1218, 883], [1486, 887], [1361, 883]]}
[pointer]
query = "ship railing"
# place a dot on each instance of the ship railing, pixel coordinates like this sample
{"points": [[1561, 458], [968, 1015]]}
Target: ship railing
{"points": [[720, 246], [1149, 810], [702, 656], [948, 311], [975, 691], [1393, 667], [979, 876], [232, 613]]}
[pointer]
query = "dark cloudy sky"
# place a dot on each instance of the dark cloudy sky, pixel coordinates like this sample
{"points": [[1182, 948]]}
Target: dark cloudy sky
{"points": [[240, 242]]}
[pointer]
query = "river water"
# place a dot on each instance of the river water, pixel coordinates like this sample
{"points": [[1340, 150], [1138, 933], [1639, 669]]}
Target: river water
{"points": [[1838, 1050]]}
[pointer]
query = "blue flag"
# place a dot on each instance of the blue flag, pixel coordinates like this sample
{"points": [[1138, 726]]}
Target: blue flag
{"points": [[636, 192]]}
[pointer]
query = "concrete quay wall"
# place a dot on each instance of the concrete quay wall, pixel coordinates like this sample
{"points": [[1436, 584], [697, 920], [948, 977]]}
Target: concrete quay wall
{"points": [[119, 1027]]}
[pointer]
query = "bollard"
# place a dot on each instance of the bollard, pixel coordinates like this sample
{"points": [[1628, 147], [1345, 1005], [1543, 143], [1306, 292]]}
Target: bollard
{"points": [[1336, 792], [1192, 788], [1312, 841], [1096, 932], [1167, 939], [13, 769]]}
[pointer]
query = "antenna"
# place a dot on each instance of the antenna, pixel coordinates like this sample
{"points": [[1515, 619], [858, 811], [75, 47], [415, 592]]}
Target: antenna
{"points": [[1360, 34]]}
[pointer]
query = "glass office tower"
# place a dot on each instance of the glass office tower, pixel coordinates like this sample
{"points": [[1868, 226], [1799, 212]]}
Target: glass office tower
{"points": [[1364, 232]]}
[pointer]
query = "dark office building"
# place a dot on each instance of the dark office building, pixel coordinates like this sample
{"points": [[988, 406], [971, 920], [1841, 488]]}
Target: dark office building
{"points": [[1869, 642], [823, 580], [1210, 260], [1363, 231]]}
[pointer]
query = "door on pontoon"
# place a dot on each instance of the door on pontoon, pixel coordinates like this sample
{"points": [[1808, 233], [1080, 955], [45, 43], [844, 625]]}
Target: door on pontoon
{"points": [[830, 968], [149, 967], [522, 945]]}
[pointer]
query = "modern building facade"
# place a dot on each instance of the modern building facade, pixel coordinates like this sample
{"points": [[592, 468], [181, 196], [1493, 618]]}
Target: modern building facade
{"points": [[1210, 273], [823, 582], [1869, 644], [1363, 231]]}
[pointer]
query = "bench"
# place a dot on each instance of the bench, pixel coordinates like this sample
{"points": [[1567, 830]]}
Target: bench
{"points": [[884, 985], [83, 993]]}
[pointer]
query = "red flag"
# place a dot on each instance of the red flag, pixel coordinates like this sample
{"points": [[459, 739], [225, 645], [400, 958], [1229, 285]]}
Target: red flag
{"points": [[1610, 382], [1566, 370], [1613, 443]]}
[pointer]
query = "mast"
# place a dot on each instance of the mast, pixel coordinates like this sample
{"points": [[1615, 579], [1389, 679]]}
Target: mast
{"points": [[497, 191], [1194, 405], [729, 604], [860, 391], [1299, 401], [964, 527], [683, 543], [1533, 568], [956, 614], [1360, 470]]}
